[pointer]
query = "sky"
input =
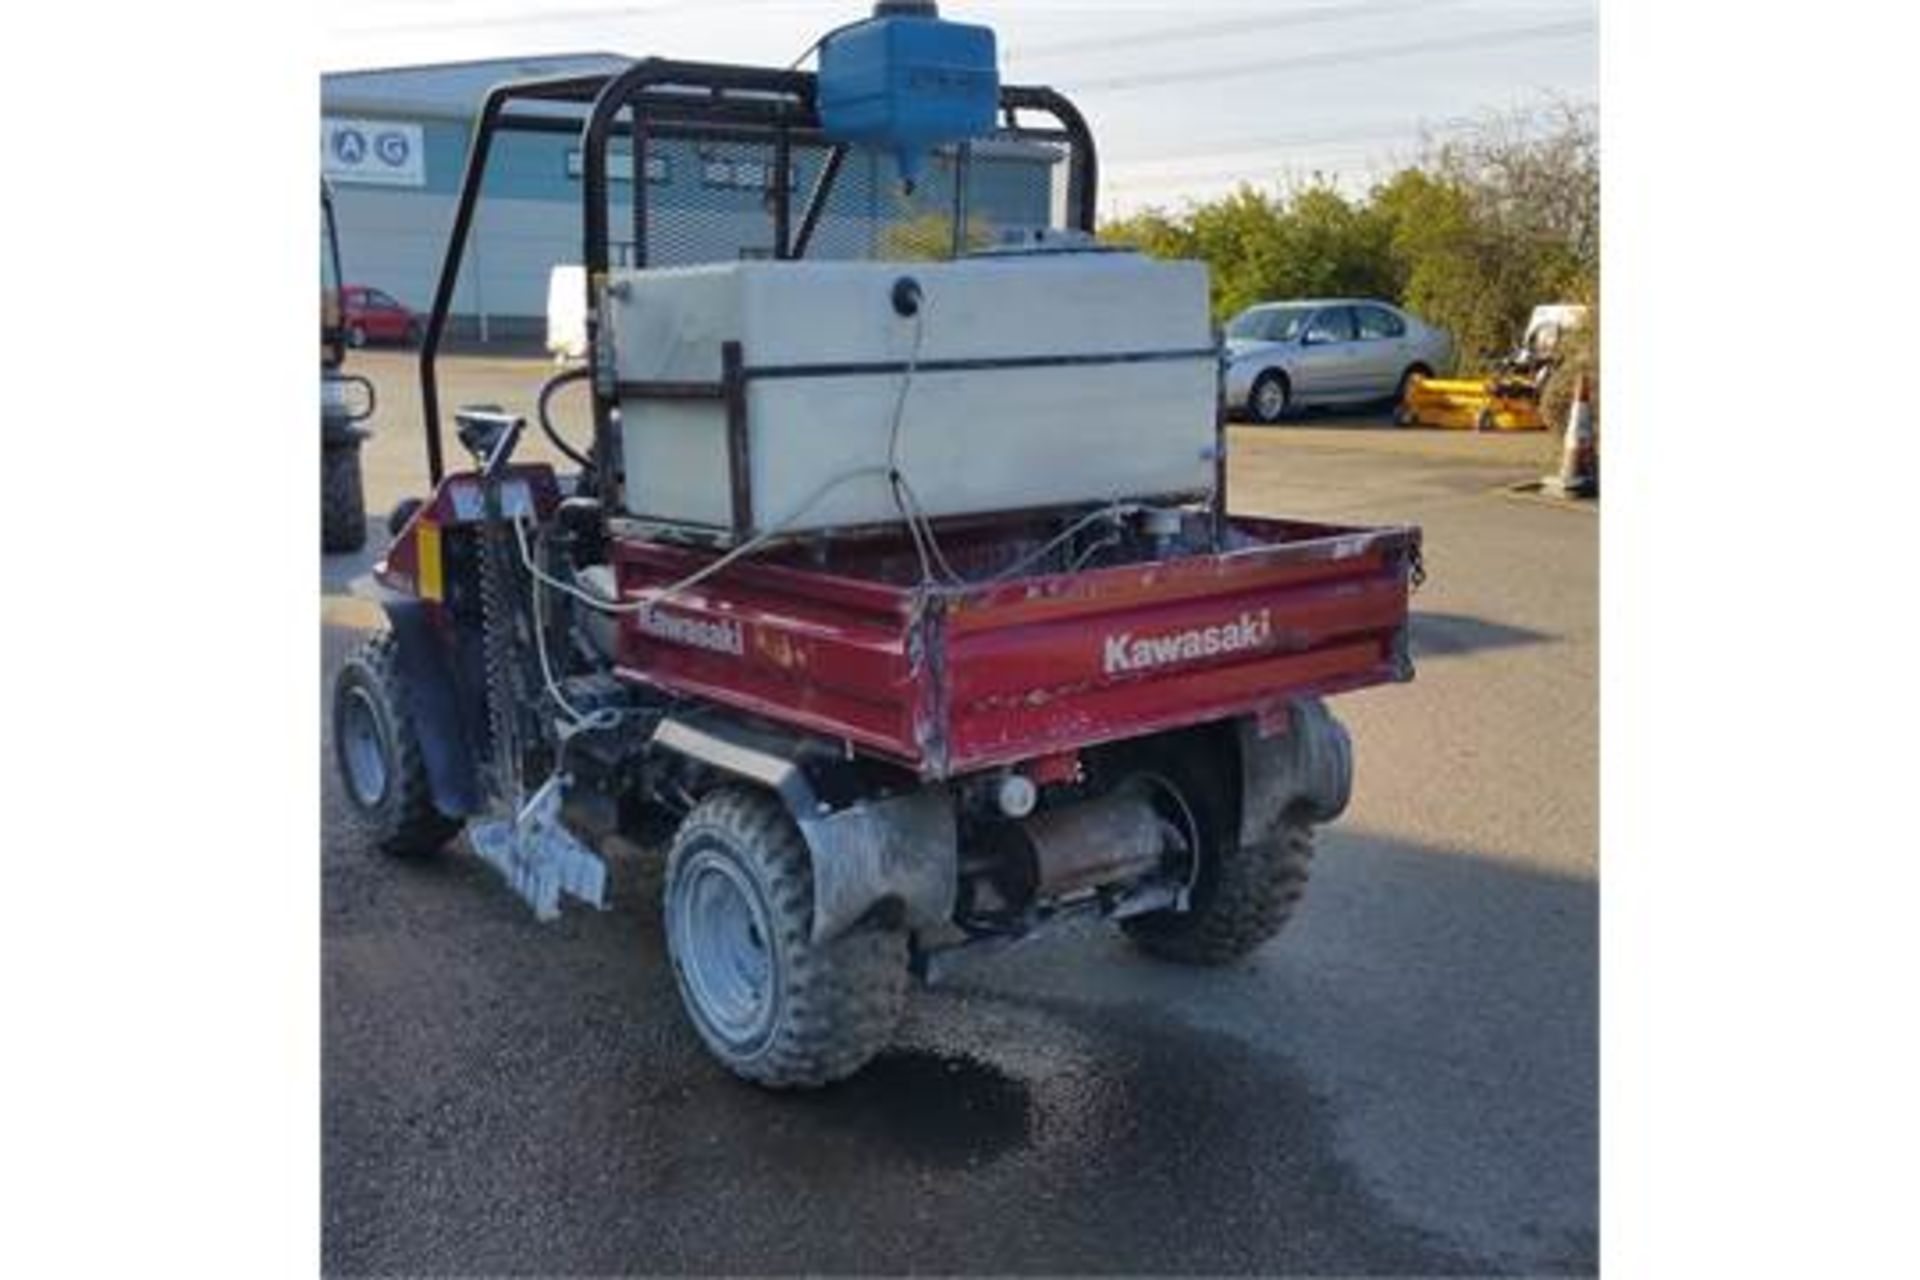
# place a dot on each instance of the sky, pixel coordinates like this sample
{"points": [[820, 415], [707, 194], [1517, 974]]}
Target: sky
{"points": [[1187, 99]]}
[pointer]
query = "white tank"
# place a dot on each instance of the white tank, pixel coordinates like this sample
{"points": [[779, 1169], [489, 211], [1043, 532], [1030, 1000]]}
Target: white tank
{"points": [[1041, 379]]}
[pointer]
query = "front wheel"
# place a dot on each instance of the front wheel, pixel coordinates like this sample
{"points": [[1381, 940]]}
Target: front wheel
{"points": [[1267, 401], [773, 1005]]}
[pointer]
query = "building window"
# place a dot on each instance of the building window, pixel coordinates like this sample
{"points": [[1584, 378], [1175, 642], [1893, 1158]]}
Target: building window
{"points": [[620, 166], [743, 175]]}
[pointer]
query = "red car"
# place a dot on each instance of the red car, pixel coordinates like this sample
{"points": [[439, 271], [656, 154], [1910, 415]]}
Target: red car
{"points": [[371, 315]]}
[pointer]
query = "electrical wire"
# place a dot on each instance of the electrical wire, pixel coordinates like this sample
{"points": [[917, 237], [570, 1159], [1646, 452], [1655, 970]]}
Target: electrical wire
{"points": [[919, 524], [650, 596], [1113, 511], [547, 390], [919, 528], [606, 718]]}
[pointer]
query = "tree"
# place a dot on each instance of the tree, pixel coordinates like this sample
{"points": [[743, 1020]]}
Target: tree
{"points": [[1499, 217], [1491, 221], [1310, 241], [928, 237]]}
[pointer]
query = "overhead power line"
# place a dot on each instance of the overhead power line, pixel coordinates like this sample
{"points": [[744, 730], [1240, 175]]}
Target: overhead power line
{"points": [[544, 17], [1409, 129], [1226, 27], [1343, 57], [1274, 142]]}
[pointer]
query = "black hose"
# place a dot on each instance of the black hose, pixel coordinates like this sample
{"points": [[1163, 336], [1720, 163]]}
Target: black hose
{"points": [[554, 384]]}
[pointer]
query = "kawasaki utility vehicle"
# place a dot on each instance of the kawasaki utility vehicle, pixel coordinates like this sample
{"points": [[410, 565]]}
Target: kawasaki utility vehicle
{"points": [[896, 575]]}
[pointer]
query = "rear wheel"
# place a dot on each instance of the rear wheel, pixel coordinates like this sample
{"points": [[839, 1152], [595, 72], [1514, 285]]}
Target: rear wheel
{"points": [[1241, 894], [378, 753], [356, 335], [1267, 402], [343, 503], [775, 1007]]}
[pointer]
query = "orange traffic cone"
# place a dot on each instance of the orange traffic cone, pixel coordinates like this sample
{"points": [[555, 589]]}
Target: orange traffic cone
{"points": [[1579, 471]]}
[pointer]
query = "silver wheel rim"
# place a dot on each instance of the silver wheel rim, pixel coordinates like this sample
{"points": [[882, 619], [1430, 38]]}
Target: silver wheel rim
{"points": [[1270, 398], [725, 949], [362, 749]]}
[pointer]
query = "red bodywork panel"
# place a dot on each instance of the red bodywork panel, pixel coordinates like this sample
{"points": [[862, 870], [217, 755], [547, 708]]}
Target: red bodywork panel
{"points": [[1030, 670], [1035, 666], [413, 565]]}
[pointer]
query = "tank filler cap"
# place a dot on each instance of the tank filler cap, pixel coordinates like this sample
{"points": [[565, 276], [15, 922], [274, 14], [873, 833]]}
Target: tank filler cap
{"points": [[907, 295]]}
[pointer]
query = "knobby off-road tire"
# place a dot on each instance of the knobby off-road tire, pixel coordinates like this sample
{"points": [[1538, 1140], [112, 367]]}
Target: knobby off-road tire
{"points": [[1242, 893], [774, 1006], [343, 502], [1254, 892], [378, 753]]}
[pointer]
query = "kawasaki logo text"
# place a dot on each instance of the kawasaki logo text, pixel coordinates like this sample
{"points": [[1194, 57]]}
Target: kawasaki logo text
{"points": [[1125, 651], [719, 636]]}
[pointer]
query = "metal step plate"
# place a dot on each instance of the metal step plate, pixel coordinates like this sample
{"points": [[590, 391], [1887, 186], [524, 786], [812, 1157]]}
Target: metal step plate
{"points": [[539, 858]]}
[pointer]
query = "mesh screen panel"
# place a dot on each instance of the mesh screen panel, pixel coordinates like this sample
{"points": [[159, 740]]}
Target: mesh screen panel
{"points": [[714, 201]]}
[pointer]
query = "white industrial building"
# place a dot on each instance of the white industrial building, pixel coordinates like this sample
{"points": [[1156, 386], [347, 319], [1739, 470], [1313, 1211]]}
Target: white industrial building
{"points": [[394, 143]]}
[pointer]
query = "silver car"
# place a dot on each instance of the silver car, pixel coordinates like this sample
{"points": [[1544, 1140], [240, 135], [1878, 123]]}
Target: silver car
{"points": [[1282, 355]]}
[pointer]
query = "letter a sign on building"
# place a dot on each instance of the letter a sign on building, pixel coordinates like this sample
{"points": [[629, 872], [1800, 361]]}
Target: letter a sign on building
{"points": [[380, 152]]}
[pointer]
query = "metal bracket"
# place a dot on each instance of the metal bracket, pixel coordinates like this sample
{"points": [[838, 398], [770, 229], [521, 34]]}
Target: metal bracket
{"points": [[1308, 766], [902, 848], [539, 857]]}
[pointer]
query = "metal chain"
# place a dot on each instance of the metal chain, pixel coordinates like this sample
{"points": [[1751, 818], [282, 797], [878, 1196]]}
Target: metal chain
{"points": [[498, 618]]}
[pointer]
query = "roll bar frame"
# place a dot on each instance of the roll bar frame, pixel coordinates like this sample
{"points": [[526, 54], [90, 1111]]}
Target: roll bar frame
{"points": [[661, 98]]}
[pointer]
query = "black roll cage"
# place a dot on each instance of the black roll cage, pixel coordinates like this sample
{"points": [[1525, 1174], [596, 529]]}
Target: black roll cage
{"points": [[661, 98], [333, 342]]}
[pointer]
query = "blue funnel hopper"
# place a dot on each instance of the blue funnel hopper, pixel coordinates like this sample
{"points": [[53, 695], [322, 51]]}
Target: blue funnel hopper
{"points": [[907, 81]]}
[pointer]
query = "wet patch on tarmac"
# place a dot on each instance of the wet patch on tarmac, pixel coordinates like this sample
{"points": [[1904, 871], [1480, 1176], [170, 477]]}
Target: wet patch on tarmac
{"points": [[935, 1109]]}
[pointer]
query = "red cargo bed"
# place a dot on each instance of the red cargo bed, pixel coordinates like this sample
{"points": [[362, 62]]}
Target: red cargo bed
{"points": [[846, 647]]}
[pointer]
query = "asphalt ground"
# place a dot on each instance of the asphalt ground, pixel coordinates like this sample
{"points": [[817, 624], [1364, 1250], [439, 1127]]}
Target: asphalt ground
{"points": [[1405, 1081]]}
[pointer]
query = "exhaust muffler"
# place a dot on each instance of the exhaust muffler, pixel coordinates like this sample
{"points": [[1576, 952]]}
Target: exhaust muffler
{"points": [[1117, 837]]}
